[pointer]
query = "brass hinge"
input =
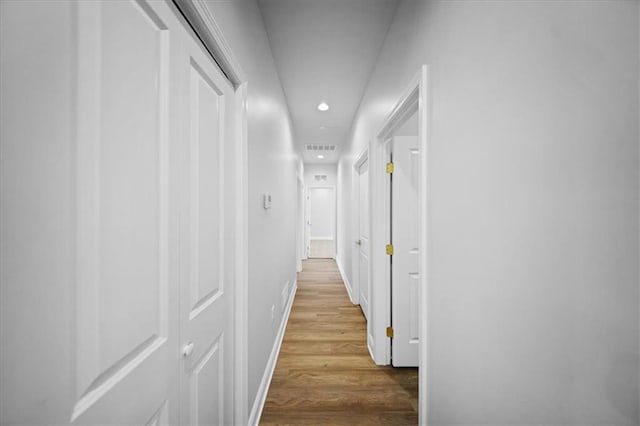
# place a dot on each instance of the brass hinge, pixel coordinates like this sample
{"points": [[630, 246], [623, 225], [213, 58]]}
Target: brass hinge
{"points": [[390, 332], [390, 249], [389, 168]]}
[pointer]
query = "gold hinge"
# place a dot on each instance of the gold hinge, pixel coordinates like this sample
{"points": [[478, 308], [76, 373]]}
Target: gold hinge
{"points": [[390, 249], [389, 168], [390, 332]]}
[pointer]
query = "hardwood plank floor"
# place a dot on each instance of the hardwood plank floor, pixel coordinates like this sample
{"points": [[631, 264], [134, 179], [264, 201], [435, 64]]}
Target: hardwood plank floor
{"points": [[324, 374]]}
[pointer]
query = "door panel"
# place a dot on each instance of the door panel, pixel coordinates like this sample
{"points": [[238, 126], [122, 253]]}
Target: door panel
{"points": [[122, 213], [206, 387], [130, 190], [206, 112], [363, 232], [405, 264], [206, 317]]}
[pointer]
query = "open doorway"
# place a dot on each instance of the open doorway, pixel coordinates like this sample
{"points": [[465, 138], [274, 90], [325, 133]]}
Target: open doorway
{"points": [[399, 283], [403, 155], [321, 221]]}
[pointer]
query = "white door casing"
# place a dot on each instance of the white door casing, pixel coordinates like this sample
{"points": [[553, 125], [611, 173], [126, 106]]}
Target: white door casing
{"points": [[405, 275], [300, 224]]}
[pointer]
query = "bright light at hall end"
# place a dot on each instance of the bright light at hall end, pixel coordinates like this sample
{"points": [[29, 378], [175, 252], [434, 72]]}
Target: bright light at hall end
{"points": [[320, 156], [323, 106]]}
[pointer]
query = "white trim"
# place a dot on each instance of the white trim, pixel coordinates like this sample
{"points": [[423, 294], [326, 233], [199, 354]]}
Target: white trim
{"points": [[300, 223], [263, 389], [424, 133], [346, 282], [203, 23], [415, 98], [364, 156], [322, 238], [371, 349], [242, 256]]}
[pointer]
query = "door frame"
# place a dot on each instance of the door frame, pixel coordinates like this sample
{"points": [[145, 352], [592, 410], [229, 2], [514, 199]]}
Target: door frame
{"points": [[300, 223], [414, 99], [355, 227], [307, 217], [207, 29]]}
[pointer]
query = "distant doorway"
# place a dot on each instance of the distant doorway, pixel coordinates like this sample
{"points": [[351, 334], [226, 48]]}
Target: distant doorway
{"points": [[321, 222]]}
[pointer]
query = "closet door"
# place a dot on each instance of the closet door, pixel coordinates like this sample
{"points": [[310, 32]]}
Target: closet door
{"points": [[116, 219], [206, 282], [126, 271]]}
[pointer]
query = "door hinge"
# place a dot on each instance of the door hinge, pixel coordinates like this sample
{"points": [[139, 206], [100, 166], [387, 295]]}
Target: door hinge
{"points": [[390, 249], [390, 332], [389, 168]]}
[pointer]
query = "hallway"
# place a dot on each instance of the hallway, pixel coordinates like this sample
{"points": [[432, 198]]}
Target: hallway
{"points": [[324, 373], [478, 162]]}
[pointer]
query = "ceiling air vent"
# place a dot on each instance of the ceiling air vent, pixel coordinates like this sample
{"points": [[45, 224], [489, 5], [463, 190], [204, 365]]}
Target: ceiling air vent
{"points": [[316, 147]]}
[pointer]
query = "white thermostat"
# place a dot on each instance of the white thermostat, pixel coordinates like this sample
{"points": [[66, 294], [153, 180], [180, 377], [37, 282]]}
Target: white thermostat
{"points": [[267, 201]]}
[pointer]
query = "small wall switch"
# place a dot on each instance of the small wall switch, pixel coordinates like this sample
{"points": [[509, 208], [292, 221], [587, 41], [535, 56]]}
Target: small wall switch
{"points": [[267, 201]]}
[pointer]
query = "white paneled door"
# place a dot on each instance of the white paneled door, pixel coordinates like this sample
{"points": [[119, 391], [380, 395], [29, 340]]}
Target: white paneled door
{"points": [[131, 204], [405, 262], [363, 236], [125, 268], [207, 271]]}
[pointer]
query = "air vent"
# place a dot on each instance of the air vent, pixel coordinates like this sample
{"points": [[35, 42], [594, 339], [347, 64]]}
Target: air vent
{"points": [[316, 147]]}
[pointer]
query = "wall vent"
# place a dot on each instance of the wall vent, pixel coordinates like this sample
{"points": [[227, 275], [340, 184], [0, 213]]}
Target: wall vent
{"points": [[317, 147]]}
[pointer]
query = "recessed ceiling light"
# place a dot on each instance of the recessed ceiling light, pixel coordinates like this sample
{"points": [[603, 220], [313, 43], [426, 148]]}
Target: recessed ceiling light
{"points": [[322, 106], [320, 156]]}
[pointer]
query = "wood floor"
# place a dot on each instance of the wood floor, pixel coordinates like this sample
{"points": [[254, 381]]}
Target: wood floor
{"points": [[324, 374]]}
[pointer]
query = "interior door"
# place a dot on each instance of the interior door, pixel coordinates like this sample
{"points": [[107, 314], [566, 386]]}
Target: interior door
{"points": [[363, 236], [405, 238], [322, 215], [206, 290], [125, 267]]}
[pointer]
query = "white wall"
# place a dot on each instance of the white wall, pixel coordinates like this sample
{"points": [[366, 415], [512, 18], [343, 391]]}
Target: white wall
{"points": [[36, 198], [345, 195], [311, 170], [272, 169], [533, 186]]}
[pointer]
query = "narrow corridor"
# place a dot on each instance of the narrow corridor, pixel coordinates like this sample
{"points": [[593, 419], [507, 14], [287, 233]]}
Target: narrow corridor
{"points": [[324, 373]]}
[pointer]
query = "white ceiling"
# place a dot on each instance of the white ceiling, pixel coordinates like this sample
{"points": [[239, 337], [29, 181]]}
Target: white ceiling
{"points": [[325, 50]]}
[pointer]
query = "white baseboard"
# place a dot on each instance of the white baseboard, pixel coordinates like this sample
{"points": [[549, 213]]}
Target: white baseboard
{"points": [[369, 339], [346, 282], [263, 389]]}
